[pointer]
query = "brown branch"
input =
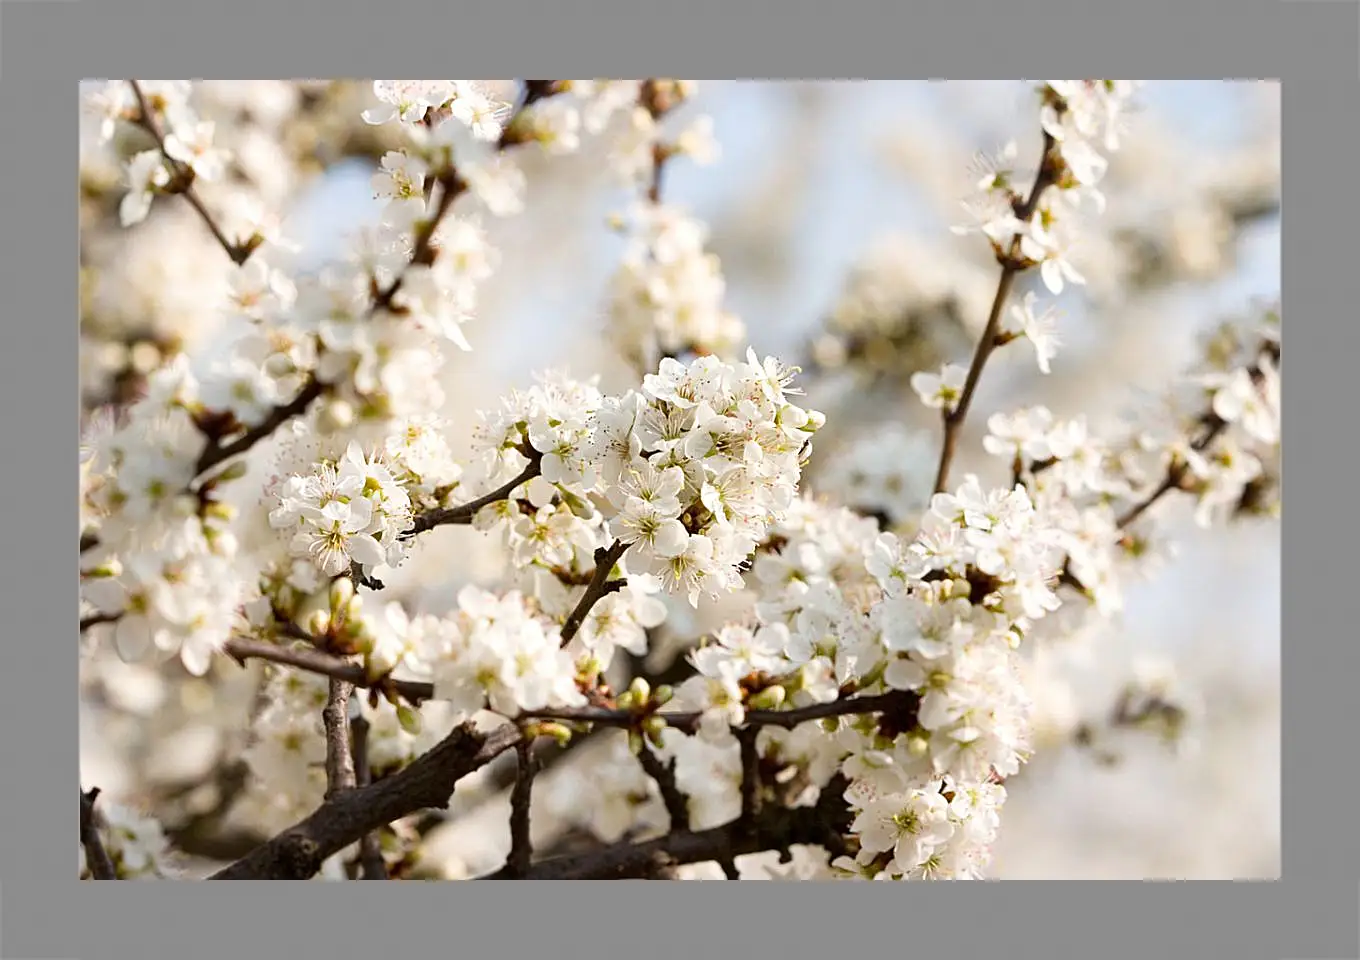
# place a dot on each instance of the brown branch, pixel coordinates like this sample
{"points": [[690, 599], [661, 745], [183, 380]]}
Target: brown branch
{"points": [[298, 852], [96, 857], [750, 773], [94, 619], [1214, 427], [521, 806], [899, 703], [776, 829], [241, 649], [371, 863], [464, 513], [184, 175], [216, 452], [600, 586], [663, 774], [1011, 265], [534, 91], [340, 775]]}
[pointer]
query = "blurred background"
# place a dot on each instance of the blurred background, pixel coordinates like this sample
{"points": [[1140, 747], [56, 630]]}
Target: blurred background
{"points": [[829, 206]]}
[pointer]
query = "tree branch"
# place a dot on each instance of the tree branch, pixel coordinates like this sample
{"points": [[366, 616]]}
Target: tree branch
{"points": [[96, 857], [340, 774], [1010, 267], [146, 119], [1214, 427], [521, 806], [298, 852], [371, 863], [663, 773], [599, 587], [463, 513], [241, 649], [776, 829]]}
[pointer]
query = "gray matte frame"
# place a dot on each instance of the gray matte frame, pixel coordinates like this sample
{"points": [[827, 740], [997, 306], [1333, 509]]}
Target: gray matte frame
{"points": [[46, 47]]}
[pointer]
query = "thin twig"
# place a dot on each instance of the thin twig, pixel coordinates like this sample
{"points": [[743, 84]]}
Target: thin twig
{"points": [[96, 856], [464, 513], [599, 587], [663, 774], [216, 453], [242, 649], [1214, 427], [94, 619], [371, 863], [146, 119], [1011, 266]]}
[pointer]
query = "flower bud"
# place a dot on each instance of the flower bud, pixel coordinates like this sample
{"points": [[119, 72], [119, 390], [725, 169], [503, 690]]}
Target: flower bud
{"points": [[626, 700], [354, 609], [335, 416], [918, 744], [409, 718], [654, 728], [235, 471], [319, 623], [663, 695], [558, 731], [771, 698], [640, 689], [341, 591], [635, 742]]}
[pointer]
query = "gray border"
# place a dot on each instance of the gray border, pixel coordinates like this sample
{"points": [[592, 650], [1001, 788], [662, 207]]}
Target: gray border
{"points": [[46, 47]]}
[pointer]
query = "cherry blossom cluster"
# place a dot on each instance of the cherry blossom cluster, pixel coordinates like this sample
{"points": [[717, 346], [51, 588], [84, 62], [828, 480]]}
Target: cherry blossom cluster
{"points": [[667, 295], [666, 298], [687, 473], [166, 564], [846, 611], [346, 512]]}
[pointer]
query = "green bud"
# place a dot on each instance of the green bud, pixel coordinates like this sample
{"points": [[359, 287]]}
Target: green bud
{"points": [[918, 744], [558, 731], [771, 698], [654, 729], [626, 700], [409, 718], [354, 607], [234, 472], [663, 695], [635, 742], [640, 689], [220, 511]]}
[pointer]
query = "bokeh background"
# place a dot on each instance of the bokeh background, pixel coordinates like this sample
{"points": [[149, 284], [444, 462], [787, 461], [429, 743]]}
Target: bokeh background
{"points": [[826, 196]]}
